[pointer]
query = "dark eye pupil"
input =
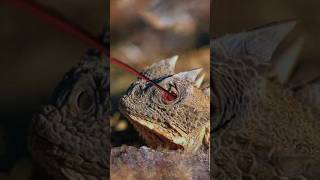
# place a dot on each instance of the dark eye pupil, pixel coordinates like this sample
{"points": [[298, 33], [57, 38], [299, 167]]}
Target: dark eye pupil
{"points": [[85, 101]]}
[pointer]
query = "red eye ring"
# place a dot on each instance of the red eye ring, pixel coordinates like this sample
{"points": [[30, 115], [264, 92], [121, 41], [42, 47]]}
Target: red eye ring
{"points": [[167, 98]]}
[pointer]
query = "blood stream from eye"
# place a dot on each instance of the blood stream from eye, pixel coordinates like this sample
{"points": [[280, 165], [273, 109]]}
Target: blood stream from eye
{"points": [[168, 95], [168, 98], [61, 24]]}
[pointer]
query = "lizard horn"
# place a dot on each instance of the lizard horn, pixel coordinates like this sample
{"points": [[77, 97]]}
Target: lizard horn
{"points": [[172, 62], [164, 67], [191, 75], [286, 63], [259, 42], [199, 81]]}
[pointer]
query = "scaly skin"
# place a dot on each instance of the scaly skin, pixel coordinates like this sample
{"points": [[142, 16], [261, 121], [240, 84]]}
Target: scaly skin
{"points": [[309, 94], [70, 135], [259, 129], [182, 123]]}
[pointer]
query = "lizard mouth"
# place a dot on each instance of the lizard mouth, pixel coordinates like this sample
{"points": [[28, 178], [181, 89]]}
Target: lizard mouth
{"points": [[156, 136]]}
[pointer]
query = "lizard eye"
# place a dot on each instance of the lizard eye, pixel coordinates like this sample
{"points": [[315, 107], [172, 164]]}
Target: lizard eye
{"points": [[166, 98], [136, 91], [85, 102]]}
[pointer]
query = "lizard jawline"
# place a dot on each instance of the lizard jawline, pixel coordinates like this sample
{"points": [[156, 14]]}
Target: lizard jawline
{"points": [[154, 136], [52, 151]]}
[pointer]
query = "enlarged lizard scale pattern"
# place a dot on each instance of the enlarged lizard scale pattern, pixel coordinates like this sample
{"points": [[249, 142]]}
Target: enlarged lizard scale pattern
{"points": [[260, 130]]}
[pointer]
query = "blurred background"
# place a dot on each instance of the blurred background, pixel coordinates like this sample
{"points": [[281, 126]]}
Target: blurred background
{"points": [[231, 16], [33, 59], [146, 31]]}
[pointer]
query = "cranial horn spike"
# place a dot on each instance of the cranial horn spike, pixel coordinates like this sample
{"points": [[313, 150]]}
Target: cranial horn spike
{"points": [[260, 42], [172, 62], [161, 68], [199, 81], [287, 62], [191, 75]]}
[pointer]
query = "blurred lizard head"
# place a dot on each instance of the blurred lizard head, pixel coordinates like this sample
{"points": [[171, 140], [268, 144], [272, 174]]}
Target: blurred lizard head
{"points": [[70, 135]]}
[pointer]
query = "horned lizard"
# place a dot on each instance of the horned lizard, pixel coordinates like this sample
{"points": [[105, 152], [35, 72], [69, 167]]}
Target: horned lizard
{"points": [[70, 135], [182, 123], [259, 129]]}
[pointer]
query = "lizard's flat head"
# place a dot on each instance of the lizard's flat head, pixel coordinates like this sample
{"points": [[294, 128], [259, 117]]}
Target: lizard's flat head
{"points": [[70, 135], [168, 123]]}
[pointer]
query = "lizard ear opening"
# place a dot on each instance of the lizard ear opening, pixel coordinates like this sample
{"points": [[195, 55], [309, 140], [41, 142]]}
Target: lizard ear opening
{"points": [[259, 42], [85, 102]]}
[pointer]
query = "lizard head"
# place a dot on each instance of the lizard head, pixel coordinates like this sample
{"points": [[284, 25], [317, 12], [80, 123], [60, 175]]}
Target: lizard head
{"points": [[168, 123], [238, 62], [70, 135]]}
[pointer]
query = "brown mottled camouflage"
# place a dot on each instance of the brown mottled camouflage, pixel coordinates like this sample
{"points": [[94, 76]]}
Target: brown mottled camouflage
{"points": [[182, 123], [260, 131]]}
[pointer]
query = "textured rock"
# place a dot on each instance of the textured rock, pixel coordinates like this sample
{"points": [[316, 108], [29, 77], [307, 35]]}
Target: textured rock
{"points": [[129, 162]]}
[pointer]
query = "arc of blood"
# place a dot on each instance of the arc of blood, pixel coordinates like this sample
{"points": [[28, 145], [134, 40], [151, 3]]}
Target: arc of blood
{"points": [[63, 25]]}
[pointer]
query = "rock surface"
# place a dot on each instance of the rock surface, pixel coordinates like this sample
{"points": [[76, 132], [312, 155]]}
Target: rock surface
{"points": [[129, 162]]}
